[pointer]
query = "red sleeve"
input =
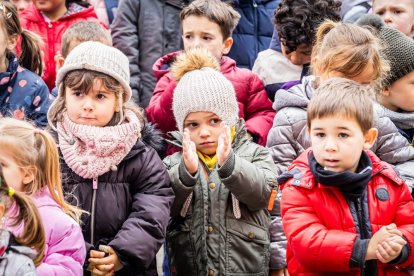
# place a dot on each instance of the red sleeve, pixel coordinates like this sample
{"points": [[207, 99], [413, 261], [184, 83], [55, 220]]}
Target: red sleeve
{"points": [[404, 219], [314, 246], [159, 110], [259, 113]]}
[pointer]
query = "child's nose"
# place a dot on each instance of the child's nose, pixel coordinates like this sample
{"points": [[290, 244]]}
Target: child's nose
{"points": [[204, 132], [331, 145], [387, 17], [87, 104]]}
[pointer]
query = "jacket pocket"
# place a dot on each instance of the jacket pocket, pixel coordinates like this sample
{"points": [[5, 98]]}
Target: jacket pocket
{"points": [[180, 252], [247, 248]]}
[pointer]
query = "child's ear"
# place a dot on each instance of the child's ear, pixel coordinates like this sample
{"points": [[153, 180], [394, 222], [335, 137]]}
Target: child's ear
{"points": [[227, 45], [12, 42], [370, 138], [385, 92], [28, 176]]}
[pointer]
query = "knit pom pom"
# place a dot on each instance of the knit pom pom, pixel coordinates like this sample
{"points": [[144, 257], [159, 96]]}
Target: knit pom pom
{"points": [[193, 59], [372, 20]]}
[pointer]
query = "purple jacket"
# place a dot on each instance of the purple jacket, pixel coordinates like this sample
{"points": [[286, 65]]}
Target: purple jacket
{"points": [[65, 248]]}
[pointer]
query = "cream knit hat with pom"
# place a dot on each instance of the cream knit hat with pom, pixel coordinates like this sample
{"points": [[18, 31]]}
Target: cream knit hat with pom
{"points": [[98, 57], [202, 88]]}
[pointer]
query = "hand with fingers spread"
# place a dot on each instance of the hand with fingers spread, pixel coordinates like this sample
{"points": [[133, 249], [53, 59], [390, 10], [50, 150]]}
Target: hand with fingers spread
{"points": [[385, 232], [390, 249], [224, 144], [101, 265], [189, 153]]}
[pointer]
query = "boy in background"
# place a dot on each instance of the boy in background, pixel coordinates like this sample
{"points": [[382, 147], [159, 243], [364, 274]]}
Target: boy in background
{"points": [[396, 14], [287, 60], [209, 24]]}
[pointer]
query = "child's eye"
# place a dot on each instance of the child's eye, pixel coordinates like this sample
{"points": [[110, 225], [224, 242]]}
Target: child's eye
{"points": [[397, 12], [320, 134], [191, 125], [215, 121], [207, 38], [100, 96], [343, 135], [187, 36], [77, 93]]}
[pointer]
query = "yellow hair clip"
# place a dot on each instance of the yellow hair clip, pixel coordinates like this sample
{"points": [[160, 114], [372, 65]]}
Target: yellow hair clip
{"points": [[11, 191]]}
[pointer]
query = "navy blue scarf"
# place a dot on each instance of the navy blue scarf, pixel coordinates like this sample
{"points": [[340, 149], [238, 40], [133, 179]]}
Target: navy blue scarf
{"points": [[351, 184]]}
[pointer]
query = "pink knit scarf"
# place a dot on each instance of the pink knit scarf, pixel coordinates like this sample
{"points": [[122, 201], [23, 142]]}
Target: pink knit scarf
{"points": [[92, 151]]}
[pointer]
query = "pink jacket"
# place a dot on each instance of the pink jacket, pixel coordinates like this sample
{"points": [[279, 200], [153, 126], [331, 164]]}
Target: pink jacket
{"points": [[254, 105], [65, 250]]}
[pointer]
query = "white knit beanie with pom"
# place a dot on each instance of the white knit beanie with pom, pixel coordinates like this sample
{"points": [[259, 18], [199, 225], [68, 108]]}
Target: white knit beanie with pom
{"points": [[202, 88]]}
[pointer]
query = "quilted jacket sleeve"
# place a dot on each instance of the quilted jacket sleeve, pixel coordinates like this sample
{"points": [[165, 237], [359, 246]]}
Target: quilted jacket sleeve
{"points": [[313, 245], [282, 140], [251, 182], [405, 221], [394, 148]]}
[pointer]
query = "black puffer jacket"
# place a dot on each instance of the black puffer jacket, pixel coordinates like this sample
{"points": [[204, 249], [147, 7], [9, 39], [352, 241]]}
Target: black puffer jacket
{"points": [[145, 30], [131, 210]]}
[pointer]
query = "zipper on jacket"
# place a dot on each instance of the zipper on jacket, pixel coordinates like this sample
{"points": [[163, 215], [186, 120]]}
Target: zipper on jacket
{"points": [[49, 24], [254, 4], [94, 187]]}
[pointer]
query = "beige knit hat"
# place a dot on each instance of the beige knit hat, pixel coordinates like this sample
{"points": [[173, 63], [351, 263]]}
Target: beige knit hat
{"points": [[201, 87], [97, 57]]}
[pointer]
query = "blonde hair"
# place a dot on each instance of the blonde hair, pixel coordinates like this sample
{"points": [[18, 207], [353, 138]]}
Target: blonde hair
{"points": [[342, 97], [83, 80], [36, 152], [347, 48], [33, 234]]}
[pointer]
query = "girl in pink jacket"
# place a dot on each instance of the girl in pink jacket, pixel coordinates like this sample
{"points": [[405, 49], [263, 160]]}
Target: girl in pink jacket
{"points": [[30, 163]]}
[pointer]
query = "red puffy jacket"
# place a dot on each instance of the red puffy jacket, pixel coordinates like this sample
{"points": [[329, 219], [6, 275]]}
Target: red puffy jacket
{"points": [[254, 105], [51, 33], [319, 227]]}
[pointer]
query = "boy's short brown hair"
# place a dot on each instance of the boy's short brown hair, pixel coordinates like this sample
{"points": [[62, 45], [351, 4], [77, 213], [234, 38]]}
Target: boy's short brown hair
{"points": [[82, 31], [342, 97], [216, 11]]}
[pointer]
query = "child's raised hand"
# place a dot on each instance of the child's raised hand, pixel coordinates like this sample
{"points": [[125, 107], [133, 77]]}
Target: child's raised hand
{"points": [[58, 60], [103, 266], [380, 236], [390, 249], [189, 153], [224, 144]]}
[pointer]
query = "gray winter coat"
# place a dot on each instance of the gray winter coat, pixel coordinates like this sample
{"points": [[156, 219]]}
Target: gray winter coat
{"points": [[16, 260], [288, 138], [225, 228], [145, 30]]}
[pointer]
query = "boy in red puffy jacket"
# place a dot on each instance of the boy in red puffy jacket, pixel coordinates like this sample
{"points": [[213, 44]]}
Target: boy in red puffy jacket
{"points": [[209, 24], [344, 211]]}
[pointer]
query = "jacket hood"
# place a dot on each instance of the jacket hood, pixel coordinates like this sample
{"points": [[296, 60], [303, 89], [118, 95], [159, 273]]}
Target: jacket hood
{"points": [[163, 64], [31, 13], [7, 240], [297, 96], [300, 171]]}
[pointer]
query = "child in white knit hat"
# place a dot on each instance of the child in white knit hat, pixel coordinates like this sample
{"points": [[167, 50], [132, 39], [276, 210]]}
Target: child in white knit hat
{"points": [[120, 181], [222, 180]]}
